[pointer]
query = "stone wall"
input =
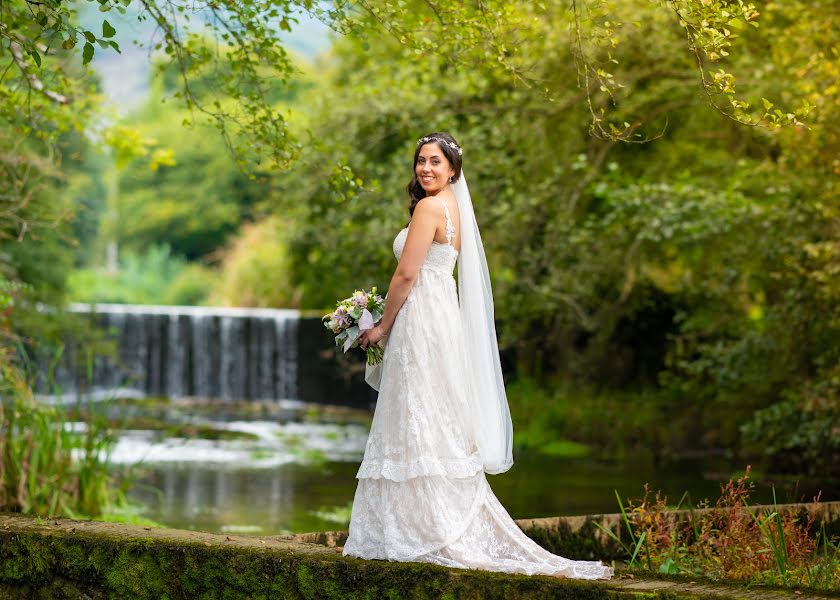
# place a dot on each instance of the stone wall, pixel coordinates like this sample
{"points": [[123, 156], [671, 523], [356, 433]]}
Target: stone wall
{"points": [[580, 538], [62, 558]]}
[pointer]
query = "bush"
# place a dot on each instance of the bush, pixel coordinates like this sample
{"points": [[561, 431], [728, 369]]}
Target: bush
{"points": [[191, 286], [801, 434], [560, 419], [142, 278], [256, 268]]}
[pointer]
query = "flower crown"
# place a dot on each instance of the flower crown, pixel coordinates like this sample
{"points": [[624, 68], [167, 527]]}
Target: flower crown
{"points": [[431, 138]]}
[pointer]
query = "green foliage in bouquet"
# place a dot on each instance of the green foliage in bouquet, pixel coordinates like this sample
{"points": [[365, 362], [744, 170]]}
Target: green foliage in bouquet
{"points": [[352, 316]]}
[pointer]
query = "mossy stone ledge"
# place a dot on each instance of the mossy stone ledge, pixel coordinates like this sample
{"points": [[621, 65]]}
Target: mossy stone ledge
{"points": [[580, 538], [63, 558]]}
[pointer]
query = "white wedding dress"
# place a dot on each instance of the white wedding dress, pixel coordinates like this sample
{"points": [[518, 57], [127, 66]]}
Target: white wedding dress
{"points": [[422, 492]]}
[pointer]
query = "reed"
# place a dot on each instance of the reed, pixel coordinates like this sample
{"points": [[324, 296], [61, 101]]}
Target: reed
{"points": [[772, 530], [823, 574], [50, 463], [636, 542]]}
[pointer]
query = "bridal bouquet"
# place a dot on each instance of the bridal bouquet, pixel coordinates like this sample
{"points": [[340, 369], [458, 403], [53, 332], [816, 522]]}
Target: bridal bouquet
{"points": [[352, 316]]}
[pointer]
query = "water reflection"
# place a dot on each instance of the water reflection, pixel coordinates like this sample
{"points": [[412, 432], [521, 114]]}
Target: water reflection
{"points": [[287, 498], [267, 501], [292, 468]]}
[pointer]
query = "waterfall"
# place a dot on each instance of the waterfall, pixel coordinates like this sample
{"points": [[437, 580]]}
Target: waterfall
{"points": [[178, 351]]}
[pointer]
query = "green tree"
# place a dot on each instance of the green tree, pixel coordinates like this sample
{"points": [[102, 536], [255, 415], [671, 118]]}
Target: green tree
{"points": [[722, 235], [665, 266]]}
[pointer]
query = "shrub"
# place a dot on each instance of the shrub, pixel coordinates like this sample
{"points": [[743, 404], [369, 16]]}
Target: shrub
{"points": [[256, 268], [731, 541]]}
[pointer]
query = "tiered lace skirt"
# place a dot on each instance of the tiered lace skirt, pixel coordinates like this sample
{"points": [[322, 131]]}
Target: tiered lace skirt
{"points": [[422, 493]]}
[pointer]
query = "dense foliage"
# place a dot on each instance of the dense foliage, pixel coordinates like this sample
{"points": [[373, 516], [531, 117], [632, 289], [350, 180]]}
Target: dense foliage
{"points": [[692, 280], [698, 270]]}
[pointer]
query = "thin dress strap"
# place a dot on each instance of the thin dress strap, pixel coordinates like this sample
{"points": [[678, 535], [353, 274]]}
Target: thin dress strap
{"points": [[450, 228]]}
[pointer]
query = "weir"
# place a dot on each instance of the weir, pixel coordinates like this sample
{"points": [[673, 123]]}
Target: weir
{"points": [[231, 354], [178, 351]]}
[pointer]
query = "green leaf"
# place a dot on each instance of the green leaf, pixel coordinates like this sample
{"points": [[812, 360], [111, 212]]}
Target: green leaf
{"points": [[353, 333], [68, 44], [90, 37], [87, 53], [36, 56], [107, 30], [767, 104], [669, 567], [638, 547], [115, 46]]}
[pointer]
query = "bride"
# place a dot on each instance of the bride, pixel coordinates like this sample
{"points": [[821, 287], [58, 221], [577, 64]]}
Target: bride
{"points": [[442, 419]]}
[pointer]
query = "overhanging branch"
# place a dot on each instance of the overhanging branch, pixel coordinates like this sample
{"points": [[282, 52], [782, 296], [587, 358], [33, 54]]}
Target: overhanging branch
{"points": [[34, 82]]}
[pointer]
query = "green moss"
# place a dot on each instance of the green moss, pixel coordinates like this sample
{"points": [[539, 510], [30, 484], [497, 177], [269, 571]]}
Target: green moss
{"points": [[565, 448], [306, 584], [185, 430], [103, 561], [100, 565], [207, 432]]}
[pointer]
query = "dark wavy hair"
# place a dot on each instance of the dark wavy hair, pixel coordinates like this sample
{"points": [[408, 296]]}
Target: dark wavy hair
{"points": [[415, 190]]}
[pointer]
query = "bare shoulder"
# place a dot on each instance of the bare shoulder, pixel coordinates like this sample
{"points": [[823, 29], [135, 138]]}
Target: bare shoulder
{"points": [[428, 206], [434, 205]]}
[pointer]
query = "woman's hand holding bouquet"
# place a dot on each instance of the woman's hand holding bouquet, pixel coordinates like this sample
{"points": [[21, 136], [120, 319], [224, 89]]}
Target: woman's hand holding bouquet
{"points": [[353, 315]]}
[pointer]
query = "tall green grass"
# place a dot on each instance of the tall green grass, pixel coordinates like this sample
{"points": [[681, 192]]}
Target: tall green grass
{"points": [[53, 459], [52, 464]]}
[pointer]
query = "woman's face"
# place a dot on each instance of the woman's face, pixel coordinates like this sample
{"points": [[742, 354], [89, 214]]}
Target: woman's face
{"points": [[433, 169]]}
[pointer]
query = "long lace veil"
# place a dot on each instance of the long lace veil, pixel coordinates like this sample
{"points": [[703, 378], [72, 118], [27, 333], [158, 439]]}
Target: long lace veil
{"points": [[486, 388]]}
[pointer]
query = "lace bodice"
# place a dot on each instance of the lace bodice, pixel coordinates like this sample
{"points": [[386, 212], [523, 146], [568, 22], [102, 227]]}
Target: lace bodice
{"points": [[441, 257]]}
